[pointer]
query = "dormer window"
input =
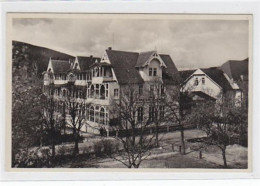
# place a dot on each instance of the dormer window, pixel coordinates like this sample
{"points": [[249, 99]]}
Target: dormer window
{"points": [[150, 71], [155, 72], [203, 81], [196, 81]]}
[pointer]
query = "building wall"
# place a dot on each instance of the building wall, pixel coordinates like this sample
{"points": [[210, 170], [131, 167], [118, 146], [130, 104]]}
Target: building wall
{"points": [[209, 87]]}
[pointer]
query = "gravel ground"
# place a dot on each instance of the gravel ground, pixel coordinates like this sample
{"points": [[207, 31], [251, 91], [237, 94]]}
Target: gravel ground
{"points": [[165, 157]]}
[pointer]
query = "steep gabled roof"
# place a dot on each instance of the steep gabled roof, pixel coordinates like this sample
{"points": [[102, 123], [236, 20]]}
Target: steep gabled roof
{"points": [[143, 58], [123, 64], [86, 62], [217, 75], [184, 74], [234, 69], [170, 75], [60, 66]]}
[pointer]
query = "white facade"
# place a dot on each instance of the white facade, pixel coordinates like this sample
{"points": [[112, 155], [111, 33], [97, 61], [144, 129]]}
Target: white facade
{"points": [[199, 81]]}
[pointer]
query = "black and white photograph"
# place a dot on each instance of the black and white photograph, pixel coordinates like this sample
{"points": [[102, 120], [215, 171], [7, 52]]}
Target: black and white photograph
{"points": [[130, 91]]}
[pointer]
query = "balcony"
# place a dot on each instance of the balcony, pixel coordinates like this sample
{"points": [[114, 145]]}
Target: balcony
{"points": [[99, 80], [60, 82]]}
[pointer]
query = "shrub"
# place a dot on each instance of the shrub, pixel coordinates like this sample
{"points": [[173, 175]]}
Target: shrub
{"points": [[40, 157], [98, 148], [107, 146]]}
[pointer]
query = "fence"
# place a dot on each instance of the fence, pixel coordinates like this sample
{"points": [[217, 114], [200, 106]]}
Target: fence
{"points": [[147, 130]]}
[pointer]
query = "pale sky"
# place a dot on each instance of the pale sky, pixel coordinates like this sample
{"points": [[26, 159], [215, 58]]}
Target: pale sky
{"points": [[190, 43]]}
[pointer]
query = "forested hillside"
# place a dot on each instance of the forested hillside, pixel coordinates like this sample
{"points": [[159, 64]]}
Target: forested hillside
{"points": [[34, 58]]}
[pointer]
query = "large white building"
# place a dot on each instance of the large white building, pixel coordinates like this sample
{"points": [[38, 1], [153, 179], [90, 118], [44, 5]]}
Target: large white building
{"points": [[98, 82]]}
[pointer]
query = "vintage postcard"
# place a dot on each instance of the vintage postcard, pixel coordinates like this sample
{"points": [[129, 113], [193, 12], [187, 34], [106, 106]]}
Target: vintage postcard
{"points": [[149, 92]]}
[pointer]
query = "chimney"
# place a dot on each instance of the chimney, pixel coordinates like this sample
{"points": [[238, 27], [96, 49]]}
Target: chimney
{"points": [[109, 48]]}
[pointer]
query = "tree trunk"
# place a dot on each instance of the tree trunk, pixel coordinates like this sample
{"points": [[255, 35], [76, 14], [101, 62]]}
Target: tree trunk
{"points": [[52, 150], [41, 137], [224, 157], [52, 141], [136, 166], [76, 142], [156, 136], [76, 147], [182, 140]]}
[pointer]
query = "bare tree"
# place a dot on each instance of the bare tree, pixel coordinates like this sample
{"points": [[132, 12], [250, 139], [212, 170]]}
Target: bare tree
{"points": [[51, 120], [178, 105], [133, 126], [75, 113], [157, 104]]}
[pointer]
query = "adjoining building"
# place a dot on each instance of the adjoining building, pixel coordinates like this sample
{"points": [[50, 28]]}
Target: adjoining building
{"points": [[230, 80], [237, 72], [98, 82]]}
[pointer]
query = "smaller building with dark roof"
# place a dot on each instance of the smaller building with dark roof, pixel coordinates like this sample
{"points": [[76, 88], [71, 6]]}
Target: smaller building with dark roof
{"points": [[212, 82]]}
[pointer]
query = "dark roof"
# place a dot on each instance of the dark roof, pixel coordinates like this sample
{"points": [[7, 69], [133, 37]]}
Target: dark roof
{"points": [[60, 66], [184, 74], [170, 75], [217, 75], [123, 64], [143, 58], [202, 95], [234, 69], [86, 62]]}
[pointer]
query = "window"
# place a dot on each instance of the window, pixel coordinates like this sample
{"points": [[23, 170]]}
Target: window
{"points": [[102, 92], [151, 114], [106, 90], [87, 112], [102, 115], [203, 81], [97, 114], [64, 92], [155, 72], [140, 90], [97, 72], [92, 113], [150, 71], [116, 93], [97, 90], [161, 112], [140, 114], [92, 91], [196, 81]]}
